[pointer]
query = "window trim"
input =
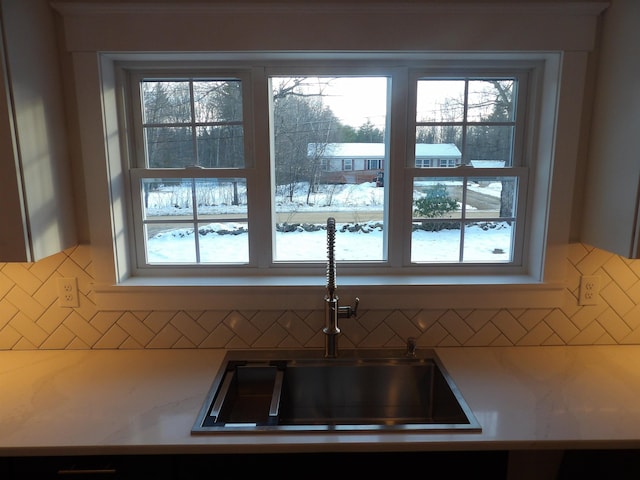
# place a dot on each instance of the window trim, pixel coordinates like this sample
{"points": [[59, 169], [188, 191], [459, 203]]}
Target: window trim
{"points": [[117, 288]]}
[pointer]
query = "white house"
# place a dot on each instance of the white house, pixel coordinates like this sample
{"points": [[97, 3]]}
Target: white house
{"points": [[361, 162]]}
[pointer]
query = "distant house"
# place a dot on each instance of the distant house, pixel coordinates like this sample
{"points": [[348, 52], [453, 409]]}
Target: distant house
{"points": [[361, 162]]}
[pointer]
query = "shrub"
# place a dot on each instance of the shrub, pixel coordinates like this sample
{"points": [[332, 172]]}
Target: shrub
{"points": [[435, 203]]}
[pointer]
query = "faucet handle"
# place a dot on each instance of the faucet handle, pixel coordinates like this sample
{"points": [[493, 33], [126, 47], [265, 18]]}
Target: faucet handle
{"points": [[349, 311], [354, 311]]}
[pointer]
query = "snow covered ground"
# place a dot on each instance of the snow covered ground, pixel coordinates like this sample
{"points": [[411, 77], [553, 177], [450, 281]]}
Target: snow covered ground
{"points": [[482, 244]]}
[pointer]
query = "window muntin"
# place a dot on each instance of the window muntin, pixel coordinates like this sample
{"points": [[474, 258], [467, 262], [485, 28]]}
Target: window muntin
{"points": [[459, 123]]}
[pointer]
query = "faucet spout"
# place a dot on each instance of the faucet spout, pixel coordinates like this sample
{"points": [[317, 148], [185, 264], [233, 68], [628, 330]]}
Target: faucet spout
{"points": [[332, 309], [331, 257], [331, 329]]}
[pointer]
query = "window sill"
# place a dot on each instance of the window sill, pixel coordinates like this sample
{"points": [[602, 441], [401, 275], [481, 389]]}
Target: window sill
{"points": [[307, 293]]}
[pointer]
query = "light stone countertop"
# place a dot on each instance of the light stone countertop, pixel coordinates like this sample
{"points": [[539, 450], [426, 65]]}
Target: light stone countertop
{"points": [[146, 401]]}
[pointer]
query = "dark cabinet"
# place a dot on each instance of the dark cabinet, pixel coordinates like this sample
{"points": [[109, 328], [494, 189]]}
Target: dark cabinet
{"points": [[600, 464], [282, 466], [107, 467]]}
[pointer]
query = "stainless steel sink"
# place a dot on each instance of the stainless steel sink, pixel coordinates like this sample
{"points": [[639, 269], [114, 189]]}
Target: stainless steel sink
{"points": [[379, 390]]}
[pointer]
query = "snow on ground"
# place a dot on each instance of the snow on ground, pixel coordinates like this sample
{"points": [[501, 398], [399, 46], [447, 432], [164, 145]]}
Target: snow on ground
{"points": [[482, 244]]}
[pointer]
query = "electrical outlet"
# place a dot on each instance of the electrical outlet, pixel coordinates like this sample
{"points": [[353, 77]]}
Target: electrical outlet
{"points": [[68, 292], [589, 290]]}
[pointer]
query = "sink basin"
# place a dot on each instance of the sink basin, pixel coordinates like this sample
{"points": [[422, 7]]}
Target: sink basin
{"points": [[380, 392], [377, 390]]}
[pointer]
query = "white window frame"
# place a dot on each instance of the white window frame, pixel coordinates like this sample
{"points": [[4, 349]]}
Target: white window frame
{"points": [[563, 52], [137, 169], [400, 177], [397, 258]]}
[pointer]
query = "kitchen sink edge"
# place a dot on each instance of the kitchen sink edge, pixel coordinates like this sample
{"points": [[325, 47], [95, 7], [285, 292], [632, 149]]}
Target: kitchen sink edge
{"points": [[270, 402]]}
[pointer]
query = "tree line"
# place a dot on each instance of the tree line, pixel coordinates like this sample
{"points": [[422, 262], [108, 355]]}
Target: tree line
{"points": [[200, 122]]}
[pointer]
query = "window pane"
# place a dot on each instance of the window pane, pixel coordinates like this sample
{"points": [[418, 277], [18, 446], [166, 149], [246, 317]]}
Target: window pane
{"points": [[224, 242], [439, 135], [166, 102], [491, 202], [220, 146], [436, 197], [329, 161], [358, 210], [195, 220], [437, 155], [435, 237], [167, 198], [488, 242], [217, 101], [491, 101], [169, 147], [490, 146], [492, 197], [440, 101], [433, 242], [162, 240]]}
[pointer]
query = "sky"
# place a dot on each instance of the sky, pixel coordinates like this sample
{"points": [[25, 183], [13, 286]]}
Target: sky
{"points": [[358, 100], [354, 101], [483, 245]]}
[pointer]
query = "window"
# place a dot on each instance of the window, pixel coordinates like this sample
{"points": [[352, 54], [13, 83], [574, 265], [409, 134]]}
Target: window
{"points": [[204, 197], [373, 165], [446, 162], [474, 216], [187, 178]]}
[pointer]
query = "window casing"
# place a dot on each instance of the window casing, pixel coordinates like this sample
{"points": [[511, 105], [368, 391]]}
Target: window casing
{"points": [[459, 36]]}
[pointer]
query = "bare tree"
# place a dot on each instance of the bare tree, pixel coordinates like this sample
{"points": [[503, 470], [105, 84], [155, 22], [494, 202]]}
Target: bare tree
{"points": [[300, 119]]}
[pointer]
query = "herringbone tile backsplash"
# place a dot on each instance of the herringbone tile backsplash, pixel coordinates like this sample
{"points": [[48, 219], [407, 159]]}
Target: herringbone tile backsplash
{"points": [[30, 317]]}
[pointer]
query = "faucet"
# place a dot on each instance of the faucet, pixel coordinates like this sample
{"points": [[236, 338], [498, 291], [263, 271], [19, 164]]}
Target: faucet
{"points": [[411, 347], [332, 310]]}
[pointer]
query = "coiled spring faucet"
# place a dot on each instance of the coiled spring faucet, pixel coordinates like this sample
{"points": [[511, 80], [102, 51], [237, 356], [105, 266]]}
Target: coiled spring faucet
{"points": [[332, 310]]}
